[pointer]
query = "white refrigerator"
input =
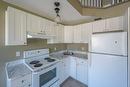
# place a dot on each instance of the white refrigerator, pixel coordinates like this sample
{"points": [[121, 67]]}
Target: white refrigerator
{"points": [[108, 60]]}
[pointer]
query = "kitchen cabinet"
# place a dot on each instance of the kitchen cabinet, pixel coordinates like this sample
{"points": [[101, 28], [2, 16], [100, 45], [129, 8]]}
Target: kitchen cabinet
{"points": [[82, 70], [73, 67], [77, 33], [114, 24], [15, 27], [48, 27], [58, 31], [68, 34], [34, 23], [98, 26], [37, 24], [64, 69], [86, 32], [24, 81], [60, 34]]}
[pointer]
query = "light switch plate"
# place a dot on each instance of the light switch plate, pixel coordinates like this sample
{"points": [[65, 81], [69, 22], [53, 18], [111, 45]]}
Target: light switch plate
{"points": [[17, 54]]}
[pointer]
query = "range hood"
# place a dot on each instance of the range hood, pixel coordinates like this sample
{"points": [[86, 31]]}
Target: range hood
{"points": [[39, 35]]}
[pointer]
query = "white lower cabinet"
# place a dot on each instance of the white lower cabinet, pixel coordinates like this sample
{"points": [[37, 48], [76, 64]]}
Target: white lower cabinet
{"points": [[64, 69], [24, 81], [82, 70], [74, 67]]}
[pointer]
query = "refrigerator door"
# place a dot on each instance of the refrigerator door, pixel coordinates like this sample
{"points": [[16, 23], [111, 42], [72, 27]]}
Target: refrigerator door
{"points": [[107, 71], [110, 43]]}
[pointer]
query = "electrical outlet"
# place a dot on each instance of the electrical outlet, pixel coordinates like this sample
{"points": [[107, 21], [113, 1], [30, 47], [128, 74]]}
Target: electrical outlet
{"points": [[82, 49], [55, 48], [17, 54]]}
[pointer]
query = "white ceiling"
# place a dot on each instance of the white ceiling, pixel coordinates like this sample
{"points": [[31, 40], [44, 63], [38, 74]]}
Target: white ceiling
{"points": [[45, 8]]}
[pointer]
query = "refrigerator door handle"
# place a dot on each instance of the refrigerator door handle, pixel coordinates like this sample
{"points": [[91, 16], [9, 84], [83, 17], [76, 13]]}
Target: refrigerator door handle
{"points": [[89, 59]]}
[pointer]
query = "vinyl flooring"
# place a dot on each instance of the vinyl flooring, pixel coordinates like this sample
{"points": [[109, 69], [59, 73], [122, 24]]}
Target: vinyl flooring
{"points": [[70, 82]]}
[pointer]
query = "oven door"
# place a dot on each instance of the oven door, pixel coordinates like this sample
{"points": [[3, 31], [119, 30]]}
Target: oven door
{"points": [[46, 77]]}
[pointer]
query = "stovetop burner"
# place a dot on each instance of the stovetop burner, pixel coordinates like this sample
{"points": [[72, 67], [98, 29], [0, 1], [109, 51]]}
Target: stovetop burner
{"points": [[34, 62], [38, 65], [51, 60], [47, 58]]}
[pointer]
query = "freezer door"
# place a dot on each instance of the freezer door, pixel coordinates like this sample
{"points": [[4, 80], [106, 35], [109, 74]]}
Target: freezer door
{"points": [[107, 71], [110, 43]]}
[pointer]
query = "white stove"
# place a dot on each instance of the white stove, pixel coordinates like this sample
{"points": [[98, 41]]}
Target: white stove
{"points": [[44, 68], [38, 59]]}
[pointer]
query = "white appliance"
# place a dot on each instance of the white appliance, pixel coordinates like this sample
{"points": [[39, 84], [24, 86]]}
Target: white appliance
{"points": [[45, 70], [108, 60]]}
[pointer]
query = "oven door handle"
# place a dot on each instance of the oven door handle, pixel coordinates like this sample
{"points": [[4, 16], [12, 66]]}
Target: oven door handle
{"points": [[46, 69]]}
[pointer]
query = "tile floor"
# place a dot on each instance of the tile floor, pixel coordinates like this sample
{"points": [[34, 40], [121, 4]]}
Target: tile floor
{"points": [[70, 82]]}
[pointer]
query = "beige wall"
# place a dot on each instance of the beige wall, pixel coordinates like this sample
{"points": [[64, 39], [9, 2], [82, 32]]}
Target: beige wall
{"points": [[78, 47]]}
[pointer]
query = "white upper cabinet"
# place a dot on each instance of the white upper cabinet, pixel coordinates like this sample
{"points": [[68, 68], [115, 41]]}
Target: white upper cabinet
{"points": [[77, 34], [99, 26], [33, 23], [60, 34], [110, 24], [68, 34], [116, 23], [37, 24], [15, 27], [48, 27], [58, 31], [86, 32]]}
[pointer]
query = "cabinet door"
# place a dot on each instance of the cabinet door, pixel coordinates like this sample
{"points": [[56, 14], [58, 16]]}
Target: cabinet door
{"points": [[77, 34], [24, 81], [60, 34], [98, 26], [15, 27], [49, 27], [113, 24], [68, 34], [73, 67], [33, 23], [82, 70], [86, 32], [66, 67], [61, 73], [85, 72]]}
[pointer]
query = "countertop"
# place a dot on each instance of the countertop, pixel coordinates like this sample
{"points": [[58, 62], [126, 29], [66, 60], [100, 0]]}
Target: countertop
{"points": [[78, 54], [18, 71]]}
